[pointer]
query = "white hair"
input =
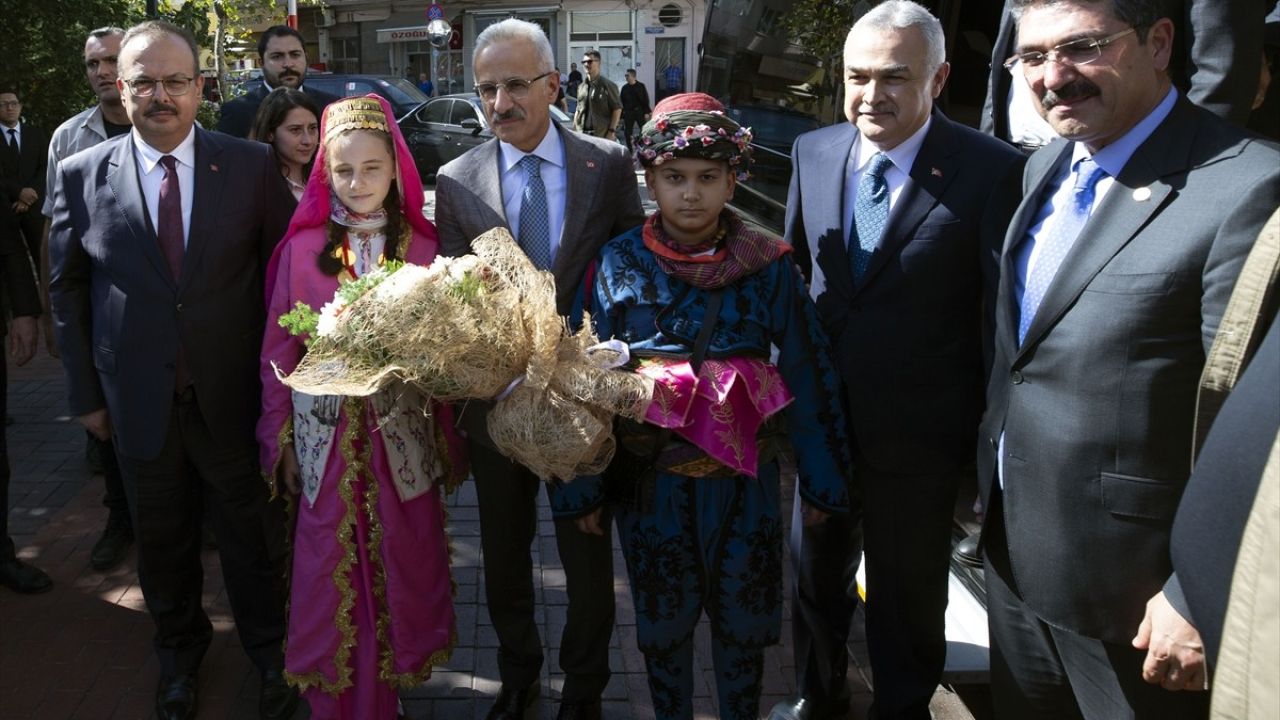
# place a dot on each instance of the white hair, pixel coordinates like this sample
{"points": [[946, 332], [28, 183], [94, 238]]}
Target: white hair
{"points": [[516, 29], [902, 14]]}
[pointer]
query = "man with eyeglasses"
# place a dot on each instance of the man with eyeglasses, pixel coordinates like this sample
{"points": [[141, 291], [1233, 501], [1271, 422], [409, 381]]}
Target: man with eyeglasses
{"points": [[1115, 274], [23, 151], [158, 244], [1215, 62], [562, 195], [284, 64], [599, 103]]}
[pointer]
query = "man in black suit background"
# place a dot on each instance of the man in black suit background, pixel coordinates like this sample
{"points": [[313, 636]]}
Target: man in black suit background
{"points": [[158, 245], [18, 287], [1114, 277], [898, 236], [284, 64], [23, 152]]}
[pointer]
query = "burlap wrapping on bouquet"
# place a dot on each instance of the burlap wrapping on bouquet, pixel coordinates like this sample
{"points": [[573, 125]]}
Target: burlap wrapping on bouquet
{"points": [[470, 327]]}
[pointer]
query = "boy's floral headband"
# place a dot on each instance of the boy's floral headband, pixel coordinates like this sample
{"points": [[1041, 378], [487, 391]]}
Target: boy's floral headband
{"points": [[703, 134]]}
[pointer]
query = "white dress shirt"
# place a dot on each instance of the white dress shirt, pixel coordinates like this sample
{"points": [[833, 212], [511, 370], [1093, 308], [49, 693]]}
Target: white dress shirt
{"points": [[902, 158], [151, 174], [17, 133], [554, 179]]}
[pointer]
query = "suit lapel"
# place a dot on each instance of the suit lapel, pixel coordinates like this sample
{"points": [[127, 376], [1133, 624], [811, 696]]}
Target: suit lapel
{"points": [[1119, 216], [930, 174], [833, 247], [122, 178], [1032, 199], [205, 201], [486, 180], [583, 179]]}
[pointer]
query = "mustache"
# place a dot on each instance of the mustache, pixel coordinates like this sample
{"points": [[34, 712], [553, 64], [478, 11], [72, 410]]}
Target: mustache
{"points": [[1078, 88], [159, 107], [512, 114]]}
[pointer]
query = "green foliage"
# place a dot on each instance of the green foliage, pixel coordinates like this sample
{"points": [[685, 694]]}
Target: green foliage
{"points": [[820, 26], [301, 320], [352, 291], [47, 64]]}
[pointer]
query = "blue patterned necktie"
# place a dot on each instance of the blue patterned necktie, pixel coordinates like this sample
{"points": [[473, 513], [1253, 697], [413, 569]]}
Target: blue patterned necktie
{"points": [[535, 226], [1053, 246], [870, 213]]}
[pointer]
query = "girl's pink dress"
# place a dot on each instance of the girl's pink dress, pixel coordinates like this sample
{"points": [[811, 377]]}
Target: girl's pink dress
{"points": [[371, 605]]}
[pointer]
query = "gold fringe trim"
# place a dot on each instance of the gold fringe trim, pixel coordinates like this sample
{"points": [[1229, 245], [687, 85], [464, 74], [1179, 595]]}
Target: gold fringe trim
{"points": [[342, 573], [283, 438]]}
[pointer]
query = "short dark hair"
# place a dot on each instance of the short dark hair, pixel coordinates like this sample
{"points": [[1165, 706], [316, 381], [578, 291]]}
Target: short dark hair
{"points": [[276, 31], [1139, 14], [630, 71], [593, 53], [11, 89], [105, 31], [156, 28]]}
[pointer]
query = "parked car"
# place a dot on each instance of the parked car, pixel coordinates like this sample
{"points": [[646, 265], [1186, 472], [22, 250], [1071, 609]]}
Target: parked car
{"points": [[445, 127], [773, 131], [402, 94]]}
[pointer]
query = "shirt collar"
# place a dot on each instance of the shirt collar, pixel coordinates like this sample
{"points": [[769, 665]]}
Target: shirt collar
{"points": [[185, 152], [903, 156], [1115, 156], [551, 149]]}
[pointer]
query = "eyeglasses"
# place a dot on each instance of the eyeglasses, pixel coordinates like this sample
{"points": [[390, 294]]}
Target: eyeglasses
{"points": [[1070, 54], [517, 88], [9, 103], [587, 62], [146, 87]]}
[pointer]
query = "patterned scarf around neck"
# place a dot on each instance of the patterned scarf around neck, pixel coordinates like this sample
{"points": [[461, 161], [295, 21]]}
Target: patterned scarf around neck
{"points": [[345, 217], [743, 252]]}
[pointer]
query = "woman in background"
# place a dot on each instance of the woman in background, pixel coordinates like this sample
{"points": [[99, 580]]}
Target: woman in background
{"points": [[289, 121]]}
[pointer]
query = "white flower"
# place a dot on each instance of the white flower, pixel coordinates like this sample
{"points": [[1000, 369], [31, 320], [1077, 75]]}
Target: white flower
{"points": [[329, 314]]}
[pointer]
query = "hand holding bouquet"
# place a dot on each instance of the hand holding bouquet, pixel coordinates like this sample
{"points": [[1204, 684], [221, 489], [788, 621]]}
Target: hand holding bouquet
{"points": [[480, 326]]}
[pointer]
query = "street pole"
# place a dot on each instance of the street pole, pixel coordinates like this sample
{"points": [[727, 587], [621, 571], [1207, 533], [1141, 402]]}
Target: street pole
{"points": [[293, 14], [153, 9]]}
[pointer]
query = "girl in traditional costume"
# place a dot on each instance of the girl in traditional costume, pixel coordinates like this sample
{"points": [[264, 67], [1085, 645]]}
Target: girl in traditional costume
{"points": [[700, 298], [371, 606]]}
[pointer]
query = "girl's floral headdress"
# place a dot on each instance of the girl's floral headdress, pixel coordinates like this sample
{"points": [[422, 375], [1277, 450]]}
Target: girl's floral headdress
{"points": [[694, 125]]}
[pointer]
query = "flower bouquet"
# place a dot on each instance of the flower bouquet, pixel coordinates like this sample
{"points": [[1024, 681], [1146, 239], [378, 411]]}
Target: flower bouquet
{"points": [[481, 326]]}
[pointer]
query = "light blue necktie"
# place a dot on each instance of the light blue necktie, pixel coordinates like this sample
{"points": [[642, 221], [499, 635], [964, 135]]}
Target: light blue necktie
{"points": [[535, 226], [870, 213], [1054, 244]]}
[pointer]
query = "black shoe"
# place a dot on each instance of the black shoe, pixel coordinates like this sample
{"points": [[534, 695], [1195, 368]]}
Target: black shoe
{"points": [[579, 710], [23, 578], [176, 698], [514, 704], [966, 552], [113, 545], [277, 700]]}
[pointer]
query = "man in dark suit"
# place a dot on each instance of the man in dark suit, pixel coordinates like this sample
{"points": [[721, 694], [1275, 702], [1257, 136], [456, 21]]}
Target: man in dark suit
{"points": [[1115, 273], [23, 152], [284, 64], [897, 238], [18, 286], [158, 243], [562, 194], [1215, 61]]}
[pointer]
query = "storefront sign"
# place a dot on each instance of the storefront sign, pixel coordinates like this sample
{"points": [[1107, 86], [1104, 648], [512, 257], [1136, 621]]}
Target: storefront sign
{"points": [[406, 34]]}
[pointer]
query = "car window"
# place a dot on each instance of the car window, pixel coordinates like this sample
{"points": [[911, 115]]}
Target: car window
{"points": [[352, 88], [436, 111], [462, 111]]}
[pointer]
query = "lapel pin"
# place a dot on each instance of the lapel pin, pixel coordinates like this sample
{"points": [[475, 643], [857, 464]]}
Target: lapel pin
{"points": [[591, 164], [213, 168], [936, 172], [1142, 194]]}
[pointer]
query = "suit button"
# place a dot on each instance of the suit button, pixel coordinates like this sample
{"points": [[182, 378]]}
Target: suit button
{"points": [[179, 307], [1016, 376], [995, 444]]}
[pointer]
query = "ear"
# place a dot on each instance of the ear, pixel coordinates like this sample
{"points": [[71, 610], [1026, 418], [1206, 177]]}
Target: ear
{"points": [[940, 78], [1160, 43], [733, 181]]}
